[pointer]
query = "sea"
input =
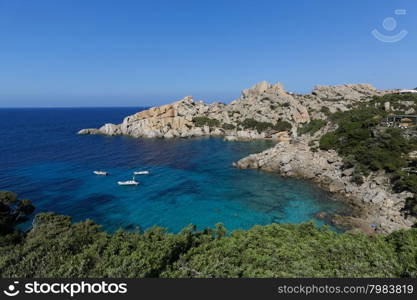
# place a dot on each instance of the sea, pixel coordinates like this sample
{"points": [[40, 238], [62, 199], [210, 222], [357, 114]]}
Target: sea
{"points": [[190, 181]]}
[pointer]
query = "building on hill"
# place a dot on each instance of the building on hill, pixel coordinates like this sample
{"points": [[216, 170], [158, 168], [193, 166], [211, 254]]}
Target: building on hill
{"points": [[401, 121], [407, 92]]}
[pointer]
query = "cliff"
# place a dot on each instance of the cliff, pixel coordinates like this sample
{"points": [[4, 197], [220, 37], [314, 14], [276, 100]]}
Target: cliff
{"points": [[263, 111]]}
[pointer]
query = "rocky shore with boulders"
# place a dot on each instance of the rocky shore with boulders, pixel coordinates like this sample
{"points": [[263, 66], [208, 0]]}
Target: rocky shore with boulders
{"points": [[375, 208]]}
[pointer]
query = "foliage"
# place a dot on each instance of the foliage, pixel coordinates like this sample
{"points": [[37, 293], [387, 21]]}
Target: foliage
{"points": [[282, 126], [312, 127], [325, 110], [205, 121], [253, 124], [370, 147], [263, 126], [228, 126], [12, 212], [57, 248]]}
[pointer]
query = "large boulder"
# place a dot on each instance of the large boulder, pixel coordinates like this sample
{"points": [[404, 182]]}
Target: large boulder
{"points": [[346, 91]]}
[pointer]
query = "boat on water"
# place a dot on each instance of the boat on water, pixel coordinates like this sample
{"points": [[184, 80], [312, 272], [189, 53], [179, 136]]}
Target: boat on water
{"points": [[128, 182], [141, 172], [102, 173]]}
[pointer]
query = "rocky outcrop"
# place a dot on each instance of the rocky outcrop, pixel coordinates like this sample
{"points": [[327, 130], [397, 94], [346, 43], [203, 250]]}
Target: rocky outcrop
{"points": [[354, 92], [167, 121], [377, 209], [263, 102]]}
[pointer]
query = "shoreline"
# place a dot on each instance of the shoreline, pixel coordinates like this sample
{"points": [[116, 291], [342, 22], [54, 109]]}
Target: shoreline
{"points": [[374, 208]]}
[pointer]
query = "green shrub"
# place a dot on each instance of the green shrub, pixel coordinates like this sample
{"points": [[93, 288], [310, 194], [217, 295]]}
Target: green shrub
{"points": [[205, 121], [329, 141], [282, 126], [56, 247], [228, 126], [325, 110], [312, 127], [357, 177], [12, 212], [263, 126], [253, 124]]}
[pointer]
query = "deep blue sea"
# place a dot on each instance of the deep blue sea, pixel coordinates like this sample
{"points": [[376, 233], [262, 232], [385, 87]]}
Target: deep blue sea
{"points": [[190, 181]]}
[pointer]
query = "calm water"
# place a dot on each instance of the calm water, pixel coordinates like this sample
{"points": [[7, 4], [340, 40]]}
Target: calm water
{"points": [[190, 181]]}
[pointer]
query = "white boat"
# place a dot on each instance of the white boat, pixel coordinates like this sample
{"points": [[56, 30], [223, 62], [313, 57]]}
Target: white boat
{"points": [[102, 173], [141, 172], [128, 182]]}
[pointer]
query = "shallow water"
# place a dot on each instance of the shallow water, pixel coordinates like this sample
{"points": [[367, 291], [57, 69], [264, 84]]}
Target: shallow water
{"points": [[190, 180]]}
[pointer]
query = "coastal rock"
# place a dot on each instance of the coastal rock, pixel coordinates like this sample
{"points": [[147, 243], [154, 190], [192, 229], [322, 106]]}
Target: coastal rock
{"points": [[321, 215], [89, 131], [110, 129], [230, 138], [348, 172], [282, 136], [347, 91], [378, 205], [264, 102]]}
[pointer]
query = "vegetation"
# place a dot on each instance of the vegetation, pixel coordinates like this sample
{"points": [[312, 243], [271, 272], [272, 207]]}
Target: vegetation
{"points": [[325, 110], [228, 126], [12, 212], [312, 127], [55, 247], [263, 126], [368, 146], [282, 126], [205, 121]]}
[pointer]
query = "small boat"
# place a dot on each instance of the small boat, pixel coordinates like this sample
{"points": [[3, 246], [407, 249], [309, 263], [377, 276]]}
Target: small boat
{"points": [[141, 172], [102, 173], [128, 182]]}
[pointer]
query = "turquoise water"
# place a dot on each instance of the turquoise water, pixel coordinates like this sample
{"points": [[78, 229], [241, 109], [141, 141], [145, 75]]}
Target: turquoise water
{"points": [[190, 180]]}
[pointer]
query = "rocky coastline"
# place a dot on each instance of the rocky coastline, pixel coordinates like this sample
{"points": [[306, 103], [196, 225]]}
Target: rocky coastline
{"points": [[263, 103], [375, 209], [267, 111]]}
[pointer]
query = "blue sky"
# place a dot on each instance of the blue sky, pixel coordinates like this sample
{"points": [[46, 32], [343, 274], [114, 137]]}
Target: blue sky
{"points": [[132, 52]]}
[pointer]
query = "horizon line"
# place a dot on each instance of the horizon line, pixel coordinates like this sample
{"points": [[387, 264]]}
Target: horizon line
{"points": [[108, 106]]}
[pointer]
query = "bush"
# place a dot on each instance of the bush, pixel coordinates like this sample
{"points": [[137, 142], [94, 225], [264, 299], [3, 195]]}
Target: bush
{"points": [[357, 177], [12, 211], [227, 126], [282, 126], [329, 141], [312, 127], [253, 124], [205, 121], [325, 110], [55, 247], [263, 126]]}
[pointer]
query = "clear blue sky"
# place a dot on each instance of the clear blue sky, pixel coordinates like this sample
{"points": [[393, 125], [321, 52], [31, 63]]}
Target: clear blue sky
{"points": [[132, 52]]}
